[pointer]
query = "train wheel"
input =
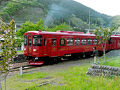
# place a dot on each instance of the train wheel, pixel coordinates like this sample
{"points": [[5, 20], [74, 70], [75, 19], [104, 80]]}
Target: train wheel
{"points": [[88, 54], [81, 55], [100, 53], [56, 60], [47, 60]]}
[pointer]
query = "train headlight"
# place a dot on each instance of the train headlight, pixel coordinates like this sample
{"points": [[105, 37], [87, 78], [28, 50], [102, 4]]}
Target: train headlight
{"points": [[24, 49], [34, 50]]}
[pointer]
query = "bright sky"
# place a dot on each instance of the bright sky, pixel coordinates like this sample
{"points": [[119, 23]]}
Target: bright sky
{"points": [[109, 7]]}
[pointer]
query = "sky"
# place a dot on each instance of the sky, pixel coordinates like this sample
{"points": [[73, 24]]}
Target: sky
{"points": [[109, 7]]}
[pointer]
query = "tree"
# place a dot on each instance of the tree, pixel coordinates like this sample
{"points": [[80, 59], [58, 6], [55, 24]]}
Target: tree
{"points": [[29, 26], [115, 21], [8, 48], [103, 35], [62, 26]]}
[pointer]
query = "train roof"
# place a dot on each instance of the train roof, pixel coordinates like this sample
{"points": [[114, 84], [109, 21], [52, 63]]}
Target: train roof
{"points": [[65, 33], [60, 33]]}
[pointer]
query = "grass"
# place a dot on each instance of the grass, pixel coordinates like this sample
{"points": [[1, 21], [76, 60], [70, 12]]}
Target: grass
{"points": [[20, 52], [114, 62], [73, 78], [37, 75], [25, 81]]}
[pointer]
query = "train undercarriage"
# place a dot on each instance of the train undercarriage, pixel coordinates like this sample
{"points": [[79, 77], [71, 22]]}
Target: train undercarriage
{"points": [[53, 60]]}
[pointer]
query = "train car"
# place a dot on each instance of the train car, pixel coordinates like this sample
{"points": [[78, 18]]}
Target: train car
{"points": [[114, 42], [41, 46]]}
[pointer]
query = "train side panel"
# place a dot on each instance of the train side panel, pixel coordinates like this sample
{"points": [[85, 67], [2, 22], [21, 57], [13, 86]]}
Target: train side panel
{"points": [[56, 44]]}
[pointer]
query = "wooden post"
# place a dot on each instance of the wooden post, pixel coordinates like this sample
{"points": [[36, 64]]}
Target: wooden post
{"points": [[95, 59], [21, 71], [0, 86]]}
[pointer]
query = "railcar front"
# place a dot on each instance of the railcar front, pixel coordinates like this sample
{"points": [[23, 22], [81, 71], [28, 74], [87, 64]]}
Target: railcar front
{"points": [[33, 47]]}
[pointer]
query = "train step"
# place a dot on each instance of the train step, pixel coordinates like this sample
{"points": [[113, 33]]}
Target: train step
{"points": [[36, 62]]}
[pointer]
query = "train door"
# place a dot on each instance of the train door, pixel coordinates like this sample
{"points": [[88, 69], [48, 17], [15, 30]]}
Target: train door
{"points": [[110, 44], [118, 43], [46, 48], [115, 43], [61, 47], [54, 49], [29, 45]]}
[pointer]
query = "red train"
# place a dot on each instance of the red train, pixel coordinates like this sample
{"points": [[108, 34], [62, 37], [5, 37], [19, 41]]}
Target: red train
{"points": [[40, 46]]}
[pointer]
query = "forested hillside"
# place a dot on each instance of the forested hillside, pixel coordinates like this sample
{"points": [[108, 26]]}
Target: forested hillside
{"points": [[53, 12]]}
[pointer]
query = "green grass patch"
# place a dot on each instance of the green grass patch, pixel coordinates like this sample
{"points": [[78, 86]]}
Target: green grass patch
{"points": [[25, 81], [72, 78], [113, 62], [20, 52], [75, 78], [37, 75]]}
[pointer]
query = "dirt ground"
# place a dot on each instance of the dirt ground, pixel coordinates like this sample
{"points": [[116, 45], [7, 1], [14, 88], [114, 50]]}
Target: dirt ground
{"points": [[64, 64], [55, 67]]}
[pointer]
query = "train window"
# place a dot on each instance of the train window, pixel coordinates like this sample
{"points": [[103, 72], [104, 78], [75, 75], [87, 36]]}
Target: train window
{"points": [[95, 42], [54, 42], [110, 41], [62, 42], [84, 42], [69, 41], [25, 40], [30, 42], [115, 41], [37, 40], [77, 41], [45, 41], [89, 41]]}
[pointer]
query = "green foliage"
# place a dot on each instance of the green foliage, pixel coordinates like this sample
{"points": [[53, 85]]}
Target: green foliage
{"points": [[40, 25], [10, 10], [102, 35], [63, 27], [29, 26], [8, 46], [115, 21], [66, 8], [78, 24]]}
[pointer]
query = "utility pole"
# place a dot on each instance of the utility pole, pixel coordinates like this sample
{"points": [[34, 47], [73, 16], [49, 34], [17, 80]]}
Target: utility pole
{"points": [[15, 28], [69, 24], [89, 22]]}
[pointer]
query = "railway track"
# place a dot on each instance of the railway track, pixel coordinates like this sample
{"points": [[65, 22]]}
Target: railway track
{"points": [[23, 68], [26, 66], [16, 66], [61, 65]]}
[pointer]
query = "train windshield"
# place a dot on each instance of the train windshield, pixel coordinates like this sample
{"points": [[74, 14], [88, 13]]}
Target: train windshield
{"points": [[25, 40], [37, 40]]}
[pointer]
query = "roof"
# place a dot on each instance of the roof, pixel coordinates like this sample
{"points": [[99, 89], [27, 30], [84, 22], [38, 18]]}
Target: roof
{"points": [[60, 33], [65, 33]]}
